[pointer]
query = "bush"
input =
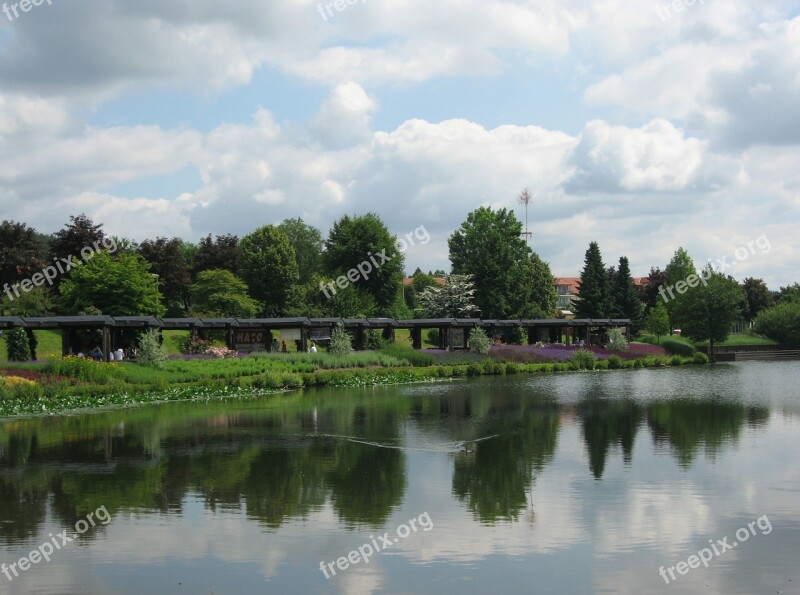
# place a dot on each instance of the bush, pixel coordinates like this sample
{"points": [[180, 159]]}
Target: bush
{"points": [[614, 362], [518, 336], [474, 369], [17, 346], [601, 364], [412, 356], [479, 341], [676, 347], [700, 358], [151, 351], [433, 336], [373, 340], [192, 345], [780, 323], [583, 360], [81, 368], [340, 342], [676, 360], [617, 340], [14, 387]]}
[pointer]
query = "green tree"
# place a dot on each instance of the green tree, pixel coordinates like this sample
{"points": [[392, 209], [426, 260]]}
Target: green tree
{"points": [[307, 243], [121, 285], [454, 299], [221, 293], [340, 342], [649, 293], [626, 298], [658, 320], [17, 346], [488, 247], [543, 295], [679, 269], [36, 302], [758, 297], [790, 293], [595, 296], [781, 323], [365, 241], [166, 258], [708, 311], [269, 267]]}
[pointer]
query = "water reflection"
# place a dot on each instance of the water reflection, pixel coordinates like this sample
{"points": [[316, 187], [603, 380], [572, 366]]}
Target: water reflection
{"points": [[285, 458]]}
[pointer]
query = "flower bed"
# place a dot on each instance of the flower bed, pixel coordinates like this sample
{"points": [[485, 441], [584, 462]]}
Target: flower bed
{"points": [[561, 353]]}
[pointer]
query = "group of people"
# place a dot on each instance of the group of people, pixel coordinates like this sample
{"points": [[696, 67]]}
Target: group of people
{"points": [[282, 347], [114, 356]]}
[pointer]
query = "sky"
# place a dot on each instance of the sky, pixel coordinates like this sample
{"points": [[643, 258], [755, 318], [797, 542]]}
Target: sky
{"points": [[633, 124]]}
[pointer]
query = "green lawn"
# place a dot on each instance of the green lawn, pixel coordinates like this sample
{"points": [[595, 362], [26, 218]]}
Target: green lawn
{"points": [[733, 340], [49, 345]]}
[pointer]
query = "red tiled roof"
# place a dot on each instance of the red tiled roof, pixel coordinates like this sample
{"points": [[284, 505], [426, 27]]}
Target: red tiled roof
{"points": [[410, 281], [573, 283]]}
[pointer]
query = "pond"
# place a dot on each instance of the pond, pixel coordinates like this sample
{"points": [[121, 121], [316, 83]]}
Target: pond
{"points": [[635, 481]]}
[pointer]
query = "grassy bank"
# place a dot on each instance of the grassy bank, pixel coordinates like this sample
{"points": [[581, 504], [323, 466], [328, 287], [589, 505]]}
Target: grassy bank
{"points": [[69, 384]]}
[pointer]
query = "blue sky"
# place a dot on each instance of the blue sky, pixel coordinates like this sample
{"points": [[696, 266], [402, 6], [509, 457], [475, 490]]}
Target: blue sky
{"points": [[639, 131]]}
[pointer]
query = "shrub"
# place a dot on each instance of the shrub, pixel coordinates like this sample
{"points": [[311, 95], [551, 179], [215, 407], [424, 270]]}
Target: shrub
{"points": [[518, 336], [192, 344], [340, 342], [17, 346], [676, 360], [81, 368], [479, 341], [780, 323], [433, 336], [617, 340], [373, 340], [583, 360], [222, 352], [512, 368], [474, 369], [700, 358], [416, 358], [676, 347], [151, 351], [614, 362], [637, 363]]}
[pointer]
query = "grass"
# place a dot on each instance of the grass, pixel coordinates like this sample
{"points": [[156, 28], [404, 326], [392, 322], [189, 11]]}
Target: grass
{"points": [[734, 340], [49, 345]]}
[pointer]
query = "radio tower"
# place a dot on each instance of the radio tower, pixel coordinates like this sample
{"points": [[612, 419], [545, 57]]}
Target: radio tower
{"points": [[525, 198]]}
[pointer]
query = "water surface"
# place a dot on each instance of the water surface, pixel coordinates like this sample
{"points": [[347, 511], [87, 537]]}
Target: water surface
{"points": [[566, 483]]}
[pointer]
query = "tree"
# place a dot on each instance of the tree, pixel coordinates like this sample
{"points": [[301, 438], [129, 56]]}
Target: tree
{"points": [[81, 233], [269, 267], [454, 299], [758, 297], [626, 298], [36, 302], [121, 285], [789, 294], [680, 268], [595, 297], [419, 283], [340, 345], [17, 345], [649, 293], [488, 247], [780, 323], [307, 243], [20, 252], [543, 295], [708, 311], [221, 293], [220, 253], [166, 258], [366, 242], [658, 320]]}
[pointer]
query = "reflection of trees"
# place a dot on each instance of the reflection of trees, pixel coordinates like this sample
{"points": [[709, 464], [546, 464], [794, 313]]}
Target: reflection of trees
{"points": [[494, 478], [605, 422], [367, 482], [23, 505], [687, 426]]}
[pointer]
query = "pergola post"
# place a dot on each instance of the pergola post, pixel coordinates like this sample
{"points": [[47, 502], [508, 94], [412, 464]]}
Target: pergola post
{"points": [[416, 337]]}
